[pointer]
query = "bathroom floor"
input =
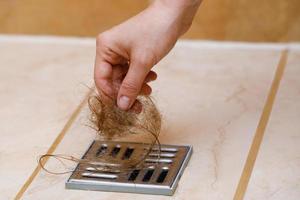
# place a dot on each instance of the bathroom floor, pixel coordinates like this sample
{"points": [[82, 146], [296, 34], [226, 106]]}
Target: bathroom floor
{"points": [[219, 97]]}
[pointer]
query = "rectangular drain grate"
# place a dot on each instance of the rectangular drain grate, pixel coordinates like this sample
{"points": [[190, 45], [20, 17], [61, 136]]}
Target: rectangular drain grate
{"points": [[160, 175]]}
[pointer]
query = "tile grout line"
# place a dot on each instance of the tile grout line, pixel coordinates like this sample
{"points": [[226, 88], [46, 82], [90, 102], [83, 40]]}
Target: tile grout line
{"points": [[53, 146], [260, 130]]}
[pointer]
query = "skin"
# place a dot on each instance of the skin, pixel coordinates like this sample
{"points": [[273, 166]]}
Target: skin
{"points": [[126, 53]]}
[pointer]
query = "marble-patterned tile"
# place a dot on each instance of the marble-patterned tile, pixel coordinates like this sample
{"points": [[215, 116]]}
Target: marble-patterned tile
{"points": [[41, 84], [276, 173], [210, 98]]}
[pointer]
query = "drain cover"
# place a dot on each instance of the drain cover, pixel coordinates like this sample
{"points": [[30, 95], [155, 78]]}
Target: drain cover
{"points": [[159, 176]]}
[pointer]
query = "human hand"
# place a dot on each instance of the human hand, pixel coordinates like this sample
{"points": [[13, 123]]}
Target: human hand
{"points": [[126, 53]]}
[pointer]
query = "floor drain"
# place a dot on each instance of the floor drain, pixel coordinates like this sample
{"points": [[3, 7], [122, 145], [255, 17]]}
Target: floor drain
{"points": [[160, 175]]}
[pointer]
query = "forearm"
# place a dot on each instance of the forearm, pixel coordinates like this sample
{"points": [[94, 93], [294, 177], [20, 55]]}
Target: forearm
{"points": [[183, 10], [180, 3]]}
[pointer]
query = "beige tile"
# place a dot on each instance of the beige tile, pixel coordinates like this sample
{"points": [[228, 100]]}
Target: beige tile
{"points": [[41, 84], [276, 173], [210, 97]]}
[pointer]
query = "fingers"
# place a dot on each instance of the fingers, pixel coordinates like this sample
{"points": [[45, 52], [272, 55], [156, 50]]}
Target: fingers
{"points": [[122, 82], [151, 76], [119, 73], [132, 85], [137, 106], [103, 76], [146, 90]]}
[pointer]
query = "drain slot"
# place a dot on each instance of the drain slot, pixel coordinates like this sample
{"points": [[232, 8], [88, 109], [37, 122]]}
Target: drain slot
{"points": [[165, 149], [156, 160], [133, 175], [128, 153], [162, 176], [115, 151], [102, 150], [162, 155], [148, 175], [96, 169], [99, 175]]}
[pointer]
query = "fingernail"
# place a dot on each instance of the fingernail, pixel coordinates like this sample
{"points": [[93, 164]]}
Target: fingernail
{"points": [[124, 103]]}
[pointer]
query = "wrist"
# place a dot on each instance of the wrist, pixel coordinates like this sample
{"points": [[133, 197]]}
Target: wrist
{"points": [[182, 11]]}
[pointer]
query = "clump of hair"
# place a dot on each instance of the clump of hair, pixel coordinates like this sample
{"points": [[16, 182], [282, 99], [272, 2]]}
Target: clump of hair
{"points": [[110, 122]]}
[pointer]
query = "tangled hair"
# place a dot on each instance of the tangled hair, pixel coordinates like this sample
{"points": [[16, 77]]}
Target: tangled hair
{"points": [[110, 122]]}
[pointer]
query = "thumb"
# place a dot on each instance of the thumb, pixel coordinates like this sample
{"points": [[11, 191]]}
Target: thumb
{"points": [[132, 84]]}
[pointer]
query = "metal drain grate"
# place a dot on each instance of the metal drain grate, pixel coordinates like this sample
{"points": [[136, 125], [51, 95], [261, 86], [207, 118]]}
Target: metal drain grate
{"points": [[160, 176]]}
